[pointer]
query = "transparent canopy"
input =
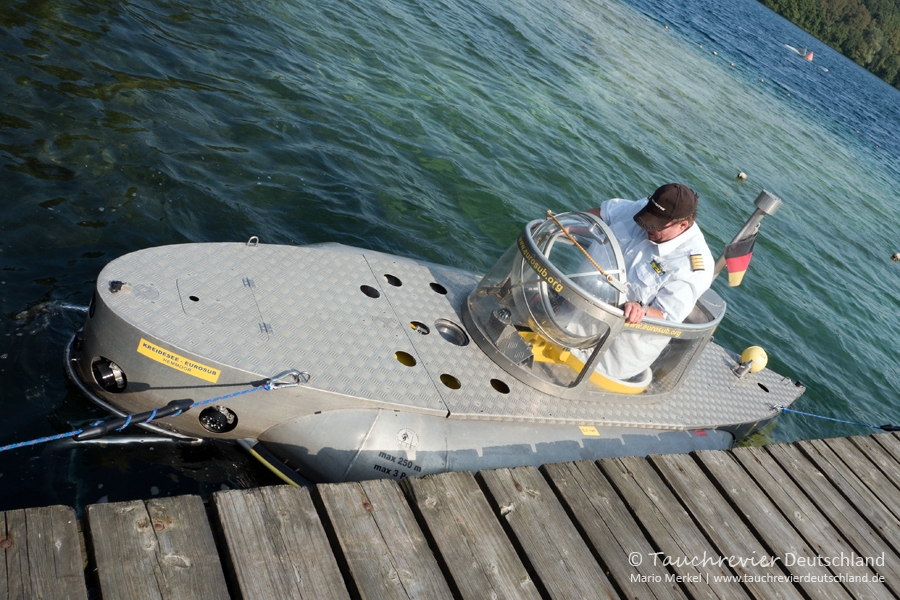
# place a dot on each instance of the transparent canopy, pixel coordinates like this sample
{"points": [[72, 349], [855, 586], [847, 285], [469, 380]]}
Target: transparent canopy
{"points": [[549, 312]]}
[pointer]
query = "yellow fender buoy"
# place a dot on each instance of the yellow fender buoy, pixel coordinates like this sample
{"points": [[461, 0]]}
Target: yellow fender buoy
{"points": [[757, 355]]}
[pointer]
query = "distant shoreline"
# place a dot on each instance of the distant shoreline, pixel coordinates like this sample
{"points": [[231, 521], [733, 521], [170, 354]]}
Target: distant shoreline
{"points": [[866, 32]]}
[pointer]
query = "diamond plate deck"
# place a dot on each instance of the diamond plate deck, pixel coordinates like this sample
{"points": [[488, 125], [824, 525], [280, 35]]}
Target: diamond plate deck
{"points": [[264, 309]]}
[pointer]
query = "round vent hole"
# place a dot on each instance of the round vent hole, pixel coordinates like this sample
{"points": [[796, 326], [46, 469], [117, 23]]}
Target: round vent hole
{"points": [[499, 386], [450, 381], [405, 358], [369, 291]]}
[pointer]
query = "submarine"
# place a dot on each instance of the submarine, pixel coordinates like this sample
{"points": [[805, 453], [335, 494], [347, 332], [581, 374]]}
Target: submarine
{"points": [[371, 365]]}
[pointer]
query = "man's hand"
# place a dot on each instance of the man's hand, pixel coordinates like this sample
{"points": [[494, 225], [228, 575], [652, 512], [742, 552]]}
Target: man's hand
{"points": [[634, 312]]}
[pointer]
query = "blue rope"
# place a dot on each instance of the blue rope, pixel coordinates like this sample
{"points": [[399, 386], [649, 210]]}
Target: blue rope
{"points": [[806, 414], [60, 436], [41, 440], [128, 422], [265, 386]]}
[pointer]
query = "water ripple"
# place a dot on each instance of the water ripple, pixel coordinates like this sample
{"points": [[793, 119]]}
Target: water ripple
{"points": [[435, 130]]}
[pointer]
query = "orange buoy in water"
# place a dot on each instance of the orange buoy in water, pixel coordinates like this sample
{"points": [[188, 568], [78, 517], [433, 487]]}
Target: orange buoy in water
{"points": [[809, 56]]}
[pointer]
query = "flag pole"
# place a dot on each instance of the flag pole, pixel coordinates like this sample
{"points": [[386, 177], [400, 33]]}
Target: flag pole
{"points": [[766, 204]]}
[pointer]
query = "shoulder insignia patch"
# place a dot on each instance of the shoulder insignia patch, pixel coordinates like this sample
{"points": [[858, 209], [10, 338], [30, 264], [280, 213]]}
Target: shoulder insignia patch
{"points": [[697, 262]]}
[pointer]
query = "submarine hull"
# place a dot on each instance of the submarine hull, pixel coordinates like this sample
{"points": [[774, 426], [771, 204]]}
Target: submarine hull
{"points": [[393, 384]]}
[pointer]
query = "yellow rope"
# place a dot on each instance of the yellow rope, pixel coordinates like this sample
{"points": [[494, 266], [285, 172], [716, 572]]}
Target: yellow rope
{"points": [[577, 245]]}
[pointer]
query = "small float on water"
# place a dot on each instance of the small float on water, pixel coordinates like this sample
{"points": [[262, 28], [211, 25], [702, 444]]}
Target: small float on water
{"points": [[384, 366]]}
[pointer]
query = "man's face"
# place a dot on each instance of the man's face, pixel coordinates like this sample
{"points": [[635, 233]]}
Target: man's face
{"points": [[669, 232]]}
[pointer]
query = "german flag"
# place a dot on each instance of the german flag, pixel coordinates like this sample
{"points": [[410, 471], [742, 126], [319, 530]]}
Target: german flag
{"points": [[737, 259]]}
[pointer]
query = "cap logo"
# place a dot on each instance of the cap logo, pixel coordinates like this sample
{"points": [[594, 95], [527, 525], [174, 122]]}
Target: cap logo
{"points": [[656, 204]]}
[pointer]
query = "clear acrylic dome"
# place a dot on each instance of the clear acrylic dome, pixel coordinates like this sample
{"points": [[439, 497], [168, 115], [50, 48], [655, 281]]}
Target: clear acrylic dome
{"points": [[559, 279], [550, 313]]}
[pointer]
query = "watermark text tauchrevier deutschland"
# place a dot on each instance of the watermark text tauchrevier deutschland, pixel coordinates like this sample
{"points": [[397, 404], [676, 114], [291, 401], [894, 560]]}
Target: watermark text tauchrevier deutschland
{"points": [[789, 559]]}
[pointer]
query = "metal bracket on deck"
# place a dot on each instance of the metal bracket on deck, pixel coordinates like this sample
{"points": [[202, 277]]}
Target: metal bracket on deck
{"points": [[742, 369]]}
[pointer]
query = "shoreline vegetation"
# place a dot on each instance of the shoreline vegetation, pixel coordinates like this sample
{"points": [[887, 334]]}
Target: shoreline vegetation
{"points": [[865, 31]]}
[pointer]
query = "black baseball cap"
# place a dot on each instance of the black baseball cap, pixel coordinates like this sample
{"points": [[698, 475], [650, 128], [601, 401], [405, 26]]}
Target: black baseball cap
{"points": [[668, 203]]}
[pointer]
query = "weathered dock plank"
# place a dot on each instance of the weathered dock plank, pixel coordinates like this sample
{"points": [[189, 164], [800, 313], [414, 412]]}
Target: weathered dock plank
{"points": [[612, 532], [733, 539], [713, 524], [554, 548], [276, 545], [161, 550], [862, 465], [41, 554], [863, 538], [384, 548], [890, 442], [815, 527], [682, 546], [784, 544], [875, 451], [854, 489], [479, 556]]}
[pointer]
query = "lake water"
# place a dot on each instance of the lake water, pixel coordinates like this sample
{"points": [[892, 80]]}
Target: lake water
{"points": [[434, 130]]}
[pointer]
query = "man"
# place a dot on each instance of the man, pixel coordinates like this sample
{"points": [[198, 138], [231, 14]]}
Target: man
{"points": [[667, 261], [668, 267]]}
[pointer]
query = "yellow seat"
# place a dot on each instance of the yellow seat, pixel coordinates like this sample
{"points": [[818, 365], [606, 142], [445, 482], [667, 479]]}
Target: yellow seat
{"points": [[547, 352]]}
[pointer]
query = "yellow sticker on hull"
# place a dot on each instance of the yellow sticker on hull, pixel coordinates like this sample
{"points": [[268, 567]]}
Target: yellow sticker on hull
{"points": [[589, 431], [170, 359]]}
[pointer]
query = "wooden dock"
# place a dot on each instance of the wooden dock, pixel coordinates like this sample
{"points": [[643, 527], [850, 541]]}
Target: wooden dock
{"points": [[812, 519]]}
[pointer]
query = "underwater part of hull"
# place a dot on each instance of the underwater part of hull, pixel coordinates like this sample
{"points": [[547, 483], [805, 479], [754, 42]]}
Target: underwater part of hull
{"points": [[354, 445]]}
